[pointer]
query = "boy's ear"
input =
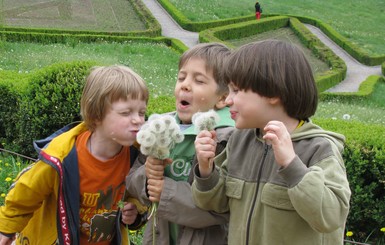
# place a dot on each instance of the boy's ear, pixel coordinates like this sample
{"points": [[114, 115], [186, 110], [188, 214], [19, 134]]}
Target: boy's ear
{"points": [[221, 102], [274, 100]]}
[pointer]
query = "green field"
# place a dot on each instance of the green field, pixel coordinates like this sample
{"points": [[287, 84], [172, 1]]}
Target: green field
{"points": [[156, 63], [285, 34], [100, 15], [362, 22]]}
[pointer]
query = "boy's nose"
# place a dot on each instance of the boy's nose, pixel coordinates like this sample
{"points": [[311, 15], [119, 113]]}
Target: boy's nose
{"points": [[229, 100], [186, 86], [137, 119]]}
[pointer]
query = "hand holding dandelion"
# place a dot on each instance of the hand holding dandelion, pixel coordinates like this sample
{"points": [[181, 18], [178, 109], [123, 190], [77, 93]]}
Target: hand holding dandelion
{"points": [[156, 138], [205, 121]]}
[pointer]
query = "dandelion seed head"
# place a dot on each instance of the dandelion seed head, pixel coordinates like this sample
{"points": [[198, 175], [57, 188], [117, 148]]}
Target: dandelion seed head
{"points": [[146, 150], [159, 135], [346, 117], [163, 141], [154, 117], [157, 126], [205, 120], [178, 137]]}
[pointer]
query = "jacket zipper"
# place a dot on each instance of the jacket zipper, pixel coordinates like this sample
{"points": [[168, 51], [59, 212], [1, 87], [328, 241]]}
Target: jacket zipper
{"points": [[256, 194]]}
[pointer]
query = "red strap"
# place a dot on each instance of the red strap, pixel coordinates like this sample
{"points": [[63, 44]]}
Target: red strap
{"points": [[62, 208]]}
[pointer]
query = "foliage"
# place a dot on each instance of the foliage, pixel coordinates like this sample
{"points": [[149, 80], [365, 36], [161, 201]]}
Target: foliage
{"points": [[50, 102], [364, 156], [10, 166]]}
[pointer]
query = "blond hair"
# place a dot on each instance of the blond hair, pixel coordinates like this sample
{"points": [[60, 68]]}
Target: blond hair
{"points": [[108, 84]]}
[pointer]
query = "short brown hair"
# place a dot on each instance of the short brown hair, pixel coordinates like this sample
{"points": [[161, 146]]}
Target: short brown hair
{"points": [[214, 55], [273, 68], [108, 84]]}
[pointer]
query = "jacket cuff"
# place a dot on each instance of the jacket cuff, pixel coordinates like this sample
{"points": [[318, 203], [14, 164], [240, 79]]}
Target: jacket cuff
{"points": [[140, 221], [206, 184]]}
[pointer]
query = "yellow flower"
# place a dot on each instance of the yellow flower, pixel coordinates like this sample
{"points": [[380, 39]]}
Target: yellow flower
{"points": [[8, 179], [382, 229], [2, 194], [6, 164], [18, 164], [349, 233]]}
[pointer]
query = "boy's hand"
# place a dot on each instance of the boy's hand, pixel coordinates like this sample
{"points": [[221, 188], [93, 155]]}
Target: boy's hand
{"points": [[277, 134], [205, 146], [154, 188], [155, 167], [4, 240], [129, 213]]}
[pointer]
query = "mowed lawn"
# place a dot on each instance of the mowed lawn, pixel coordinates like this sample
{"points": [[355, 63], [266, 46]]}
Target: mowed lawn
{"points": [[362, 22], [83, 15]]}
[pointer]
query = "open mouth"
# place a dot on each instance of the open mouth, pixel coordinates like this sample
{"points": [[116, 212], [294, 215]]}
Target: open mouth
{"points": [[184, 103]]}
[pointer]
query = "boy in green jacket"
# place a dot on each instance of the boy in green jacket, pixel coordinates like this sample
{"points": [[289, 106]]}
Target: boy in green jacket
{"points": [[281, 177], [199, 88]]}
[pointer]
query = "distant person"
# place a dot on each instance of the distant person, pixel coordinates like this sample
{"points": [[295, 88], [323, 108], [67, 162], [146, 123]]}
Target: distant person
{"points": [[72, 194], [258, 10], [281, 177]]}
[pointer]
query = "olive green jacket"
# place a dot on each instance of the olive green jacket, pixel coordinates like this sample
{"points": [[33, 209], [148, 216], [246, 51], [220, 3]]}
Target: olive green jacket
{"points": [[304, 203]]}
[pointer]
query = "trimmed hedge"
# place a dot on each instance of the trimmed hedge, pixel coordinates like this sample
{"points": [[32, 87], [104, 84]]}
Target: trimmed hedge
{"points": [[49, 101], [364, 156], [343, 42], [324, 80]]}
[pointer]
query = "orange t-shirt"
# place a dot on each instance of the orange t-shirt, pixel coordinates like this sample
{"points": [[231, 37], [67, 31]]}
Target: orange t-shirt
{"points": [[102, 186]]}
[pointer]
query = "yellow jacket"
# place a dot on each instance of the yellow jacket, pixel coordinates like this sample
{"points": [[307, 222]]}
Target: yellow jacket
{"points": [[42, 205]]}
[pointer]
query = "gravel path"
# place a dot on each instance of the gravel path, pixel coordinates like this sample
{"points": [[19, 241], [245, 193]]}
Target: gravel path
{"points": [[356, 72]]}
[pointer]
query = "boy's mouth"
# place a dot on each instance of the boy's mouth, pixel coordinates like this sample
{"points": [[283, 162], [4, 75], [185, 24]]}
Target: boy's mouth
{"points": [[184, 103]]}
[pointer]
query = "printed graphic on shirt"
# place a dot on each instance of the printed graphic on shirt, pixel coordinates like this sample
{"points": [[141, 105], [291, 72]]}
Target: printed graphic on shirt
{"points": [[98, 213], [180, 168]]}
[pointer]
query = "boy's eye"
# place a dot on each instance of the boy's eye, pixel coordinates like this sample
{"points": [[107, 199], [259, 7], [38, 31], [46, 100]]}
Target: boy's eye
{"points": [[125, 113], [142, 113], [233, 89]]}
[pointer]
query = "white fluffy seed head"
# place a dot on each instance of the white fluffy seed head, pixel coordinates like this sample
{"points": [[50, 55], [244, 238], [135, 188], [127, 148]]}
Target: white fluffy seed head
{"points": [[205, 120]]}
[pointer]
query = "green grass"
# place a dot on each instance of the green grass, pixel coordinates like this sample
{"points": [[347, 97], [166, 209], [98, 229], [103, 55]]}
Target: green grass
{"points": [[156, 63], [285, 34], [370, 111], [10, 166], [98, 15], [362, 22]]}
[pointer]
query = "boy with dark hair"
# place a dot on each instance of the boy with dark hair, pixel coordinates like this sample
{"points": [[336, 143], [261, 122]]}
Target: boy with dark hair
{"points": [[200, 87], [281, 177]]}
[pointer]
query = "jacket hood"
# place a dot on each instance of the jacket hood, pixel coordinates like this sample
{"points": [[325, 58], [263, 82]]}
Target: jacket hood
{"points": [[310, 130], [60, 143]]}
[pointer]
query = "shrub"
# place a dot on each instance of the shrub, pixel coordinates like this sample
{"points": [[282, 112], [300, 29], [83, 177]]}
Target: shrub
{"points": [[364, 156], [51, 101]]}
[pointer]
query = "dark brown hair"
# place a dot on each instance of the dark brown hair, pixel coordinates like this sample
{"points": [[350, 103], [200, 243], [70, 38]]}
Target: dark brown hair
{"points": [[273, 68], [214, 55]]}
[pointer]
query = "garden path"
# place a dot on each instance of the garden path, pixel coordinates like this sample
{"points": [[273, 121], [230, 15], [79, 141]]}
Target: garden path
{"points": [[356, 72]]}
